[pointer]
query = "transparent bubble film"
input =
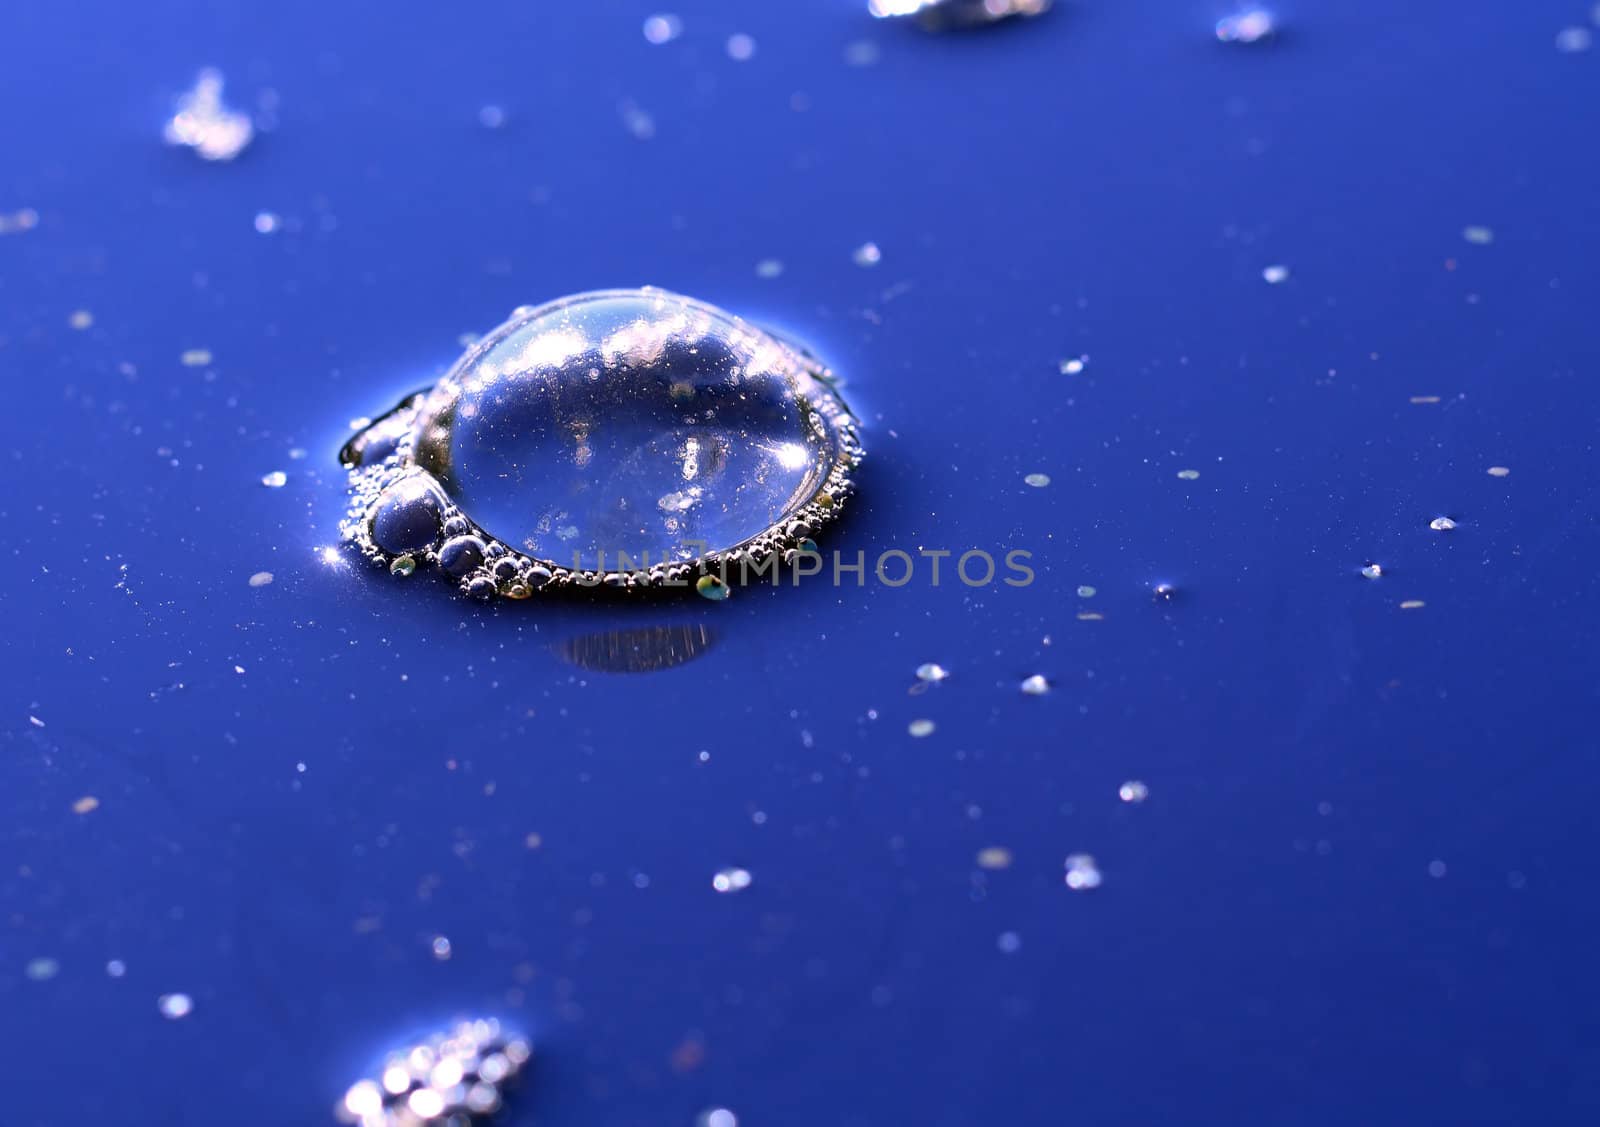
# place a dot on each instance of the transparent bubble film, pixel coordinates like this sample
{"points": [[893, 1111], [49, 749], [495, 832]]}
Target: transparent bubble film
{"points": [[623, 437]]}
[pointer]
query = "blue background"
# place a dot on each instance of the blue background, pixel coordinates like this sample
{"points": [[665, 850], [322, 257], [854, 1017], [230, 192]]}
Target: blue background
{"points": [[1268, 947]]}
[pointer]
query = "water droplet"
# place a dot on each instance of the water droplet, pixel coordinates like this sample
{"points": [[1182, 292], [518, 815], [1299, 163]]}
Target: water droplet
{"points": [[663, 28], [1036, 685], [617, 437], [1372, 571], [1249, 26], [932, 671], [207, 126], [1275, 275], [175, 1006], [1082, 872], [1037, 480], [274, 480], [731, 880], [1133, 791], [1441, 524], [920, 728]]}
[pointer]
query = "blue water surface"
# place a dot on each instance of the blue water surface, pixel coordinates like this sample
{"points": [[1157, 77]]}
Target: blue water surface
{"points": [[1361, 888]]}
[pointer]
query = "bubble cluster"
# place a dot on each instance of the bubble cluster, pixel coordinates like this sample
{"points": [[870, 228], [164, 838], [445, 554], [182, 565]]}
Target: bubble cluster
{"points": [[203, 123], [1082, 872], [448, 1080], [944, 15], [623, 437]]}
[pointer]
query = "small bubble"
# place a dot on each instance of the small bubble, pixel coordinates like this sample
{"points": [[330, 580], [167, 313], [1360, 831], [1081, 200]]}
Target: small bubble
{"points": [[43, 970], [861, 53], [1441, 524], [85, 805], [1071, 367], [1413, 604], [261, 579], [274, 480], [932, 671], [1036, 685], [1499, 471], [920, 728], [25, 220], [1249, 26], [717, 1117], [741, 48], [867, 254], [1436, 869], [731, 880], [1188, 475], [1574, 40], [196, 358], [403, 566], [1037, 480], [662, 28], [1086, 592], [175, 1006], [81, 319], [1164, 592], [1082, 873], [994, 857], [1133, 791], [1009, 942], [491, 117], [441, 947], [1275, 275], [1372, 571], [769, 268], [1482, 236], [116, 968]]}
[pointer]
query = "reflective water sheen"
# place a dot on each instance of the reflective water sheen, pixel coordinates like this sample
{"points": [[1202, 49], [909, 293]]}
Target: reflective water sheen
{"points": [[610, 434]]}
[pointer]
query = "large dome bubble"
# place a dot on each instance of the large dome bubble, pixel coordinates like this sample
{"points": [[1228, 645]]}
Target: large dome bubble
{"points": [[619, 436]]}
